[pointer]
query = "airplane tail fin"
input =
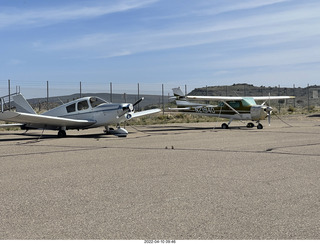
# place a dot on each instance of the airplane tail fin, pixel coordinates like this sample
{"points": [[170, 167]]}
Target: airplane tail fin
{"points": [[181, 100], [22, 105], [178, 93]]}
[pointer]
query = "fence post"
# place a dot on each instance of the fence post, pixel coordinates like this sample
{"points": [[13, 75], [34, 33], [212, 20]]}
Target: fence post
{"points": [[47, 95], [9, 95], [110, 91], [162, 99], [80, 89], [294, 94], [308, 99], [125, 97], [138, 96], [279, 95]]}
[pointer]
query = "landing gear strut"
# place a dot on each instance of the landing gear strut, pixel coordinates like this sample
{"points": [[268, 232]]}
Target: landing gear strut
{"points": [[226, 126]]}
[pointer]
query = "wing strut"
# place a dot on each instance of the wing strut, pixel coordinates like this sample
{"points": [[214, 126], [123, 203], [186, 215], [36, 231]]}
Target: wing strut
{"points": [[228, 105]]}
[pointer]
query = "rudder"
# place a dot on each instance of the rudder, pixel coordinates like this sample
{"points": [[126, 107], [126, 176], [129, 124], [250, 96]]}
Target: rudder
{"points": [[22, 105]]}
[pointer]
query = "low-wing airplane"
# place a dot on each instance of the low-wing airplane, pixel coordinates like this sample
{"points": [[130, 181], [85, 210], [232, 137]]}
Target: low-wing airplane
{"points": [[239, 108], [83, 113]]}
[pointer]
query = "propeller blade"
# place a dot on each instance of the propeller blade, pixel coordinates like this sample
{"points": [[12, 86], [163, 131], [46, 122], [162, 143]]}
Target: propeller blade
{"points": [[266, 101], [269, 110], [140, 100]]}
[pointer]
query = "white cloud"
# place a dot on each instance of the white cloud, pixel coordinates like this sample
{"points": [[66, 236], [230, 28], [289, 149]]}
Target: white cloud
{"points": [[237, 6], [48, 16], [272, 58]]}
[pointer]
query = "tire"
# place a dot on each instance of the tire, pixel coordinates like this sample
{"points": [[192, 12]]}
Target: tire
{"points": [[224, 126]]}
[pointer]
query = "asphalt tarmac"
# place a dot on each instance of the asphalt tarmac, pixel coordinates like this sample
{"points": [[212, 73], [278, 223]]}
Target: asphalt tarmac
{"points": [[164, 182]]}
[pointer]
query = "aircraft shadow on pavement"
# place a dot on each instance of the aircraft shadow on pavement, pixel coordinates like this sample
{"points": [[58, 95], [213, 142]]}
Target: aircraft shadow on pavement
{"points": [[29, 136], [314, 116], [177, 128]]}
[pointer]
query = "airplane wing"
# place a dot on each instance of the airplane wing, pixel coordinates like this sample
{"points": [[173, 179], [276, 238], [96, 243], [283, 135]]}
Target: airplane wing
{"points": [[36, 119], [215, 98], [227, 98], [273, 97], [146, 112]]}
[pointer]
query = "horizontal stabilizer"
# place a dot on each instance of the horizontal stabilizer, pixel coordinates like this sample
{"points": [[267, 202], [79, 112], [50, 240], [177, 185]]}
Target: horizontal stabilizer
{"points": [[180, 109], [10, 125]]}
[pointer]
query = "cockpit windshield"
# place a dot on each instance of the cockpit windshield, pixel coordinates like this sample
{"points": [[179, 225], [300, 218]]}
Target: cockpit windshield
{"points": [[96, 101]]}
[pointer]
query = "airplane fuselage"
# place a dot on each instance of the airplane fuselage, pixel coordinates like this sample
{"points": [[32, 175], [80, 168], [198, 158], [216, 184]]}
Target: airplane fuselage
{"points": [[83, 113], [100, 112], [245, 110]]}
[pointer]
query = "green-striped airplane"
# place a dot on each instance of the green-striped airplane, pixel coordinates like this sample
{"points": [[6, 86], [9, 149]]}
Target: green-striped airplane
{"points": [[239, 108]]}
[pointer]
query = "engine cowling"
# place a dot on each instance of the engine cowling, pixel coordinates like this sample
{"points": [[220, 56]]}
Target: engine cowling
{"points": [[258, 112]]}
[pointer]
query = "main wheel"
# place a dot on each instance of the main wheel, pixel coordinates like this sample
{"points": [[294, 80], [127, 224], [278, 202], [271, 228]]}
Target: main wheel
{"points": [[224, 126], [250, 125], [260, 126]]}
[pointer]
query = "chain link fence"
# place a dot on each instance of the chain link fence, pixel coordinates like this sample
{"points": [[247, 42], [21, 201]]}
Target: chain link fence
{"points": [[156, 94]]}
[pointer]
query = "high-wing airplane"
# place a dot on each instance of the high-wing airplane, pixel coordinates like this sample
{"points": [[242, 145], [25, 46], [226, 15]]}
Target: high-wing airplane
{"points": [[239, 108], [83, 113]]}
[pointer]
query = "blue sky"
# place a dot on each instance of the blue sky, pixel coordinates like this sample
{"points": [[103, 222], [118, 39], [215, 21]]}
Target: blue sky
{"points": [[216, 42]]}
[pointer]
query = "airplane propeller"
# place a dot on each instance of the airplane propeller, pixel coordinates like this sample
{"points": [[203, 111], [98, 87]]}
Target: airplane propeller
{"points": [[129, 108], [140, 100], [269, 110]]}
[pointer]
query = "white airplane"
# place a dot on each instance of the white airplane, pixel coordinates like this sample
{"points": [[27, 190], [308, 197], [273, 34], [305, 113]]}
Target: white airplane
{"points": [[83, 113], [239, 108]]}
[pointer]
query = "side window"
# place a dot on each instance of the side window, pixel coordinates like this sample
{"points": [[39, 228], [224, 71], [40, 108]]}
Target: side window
{"points": [[235, 104], [71, 108], [83, 105], [95, 101]]}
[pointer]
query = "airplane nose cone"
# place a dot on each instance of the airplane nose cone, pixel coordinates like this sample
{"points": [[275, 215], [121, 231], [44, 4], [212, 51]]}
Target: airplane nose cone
{"points": [[268, 109], [128, 108]]}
